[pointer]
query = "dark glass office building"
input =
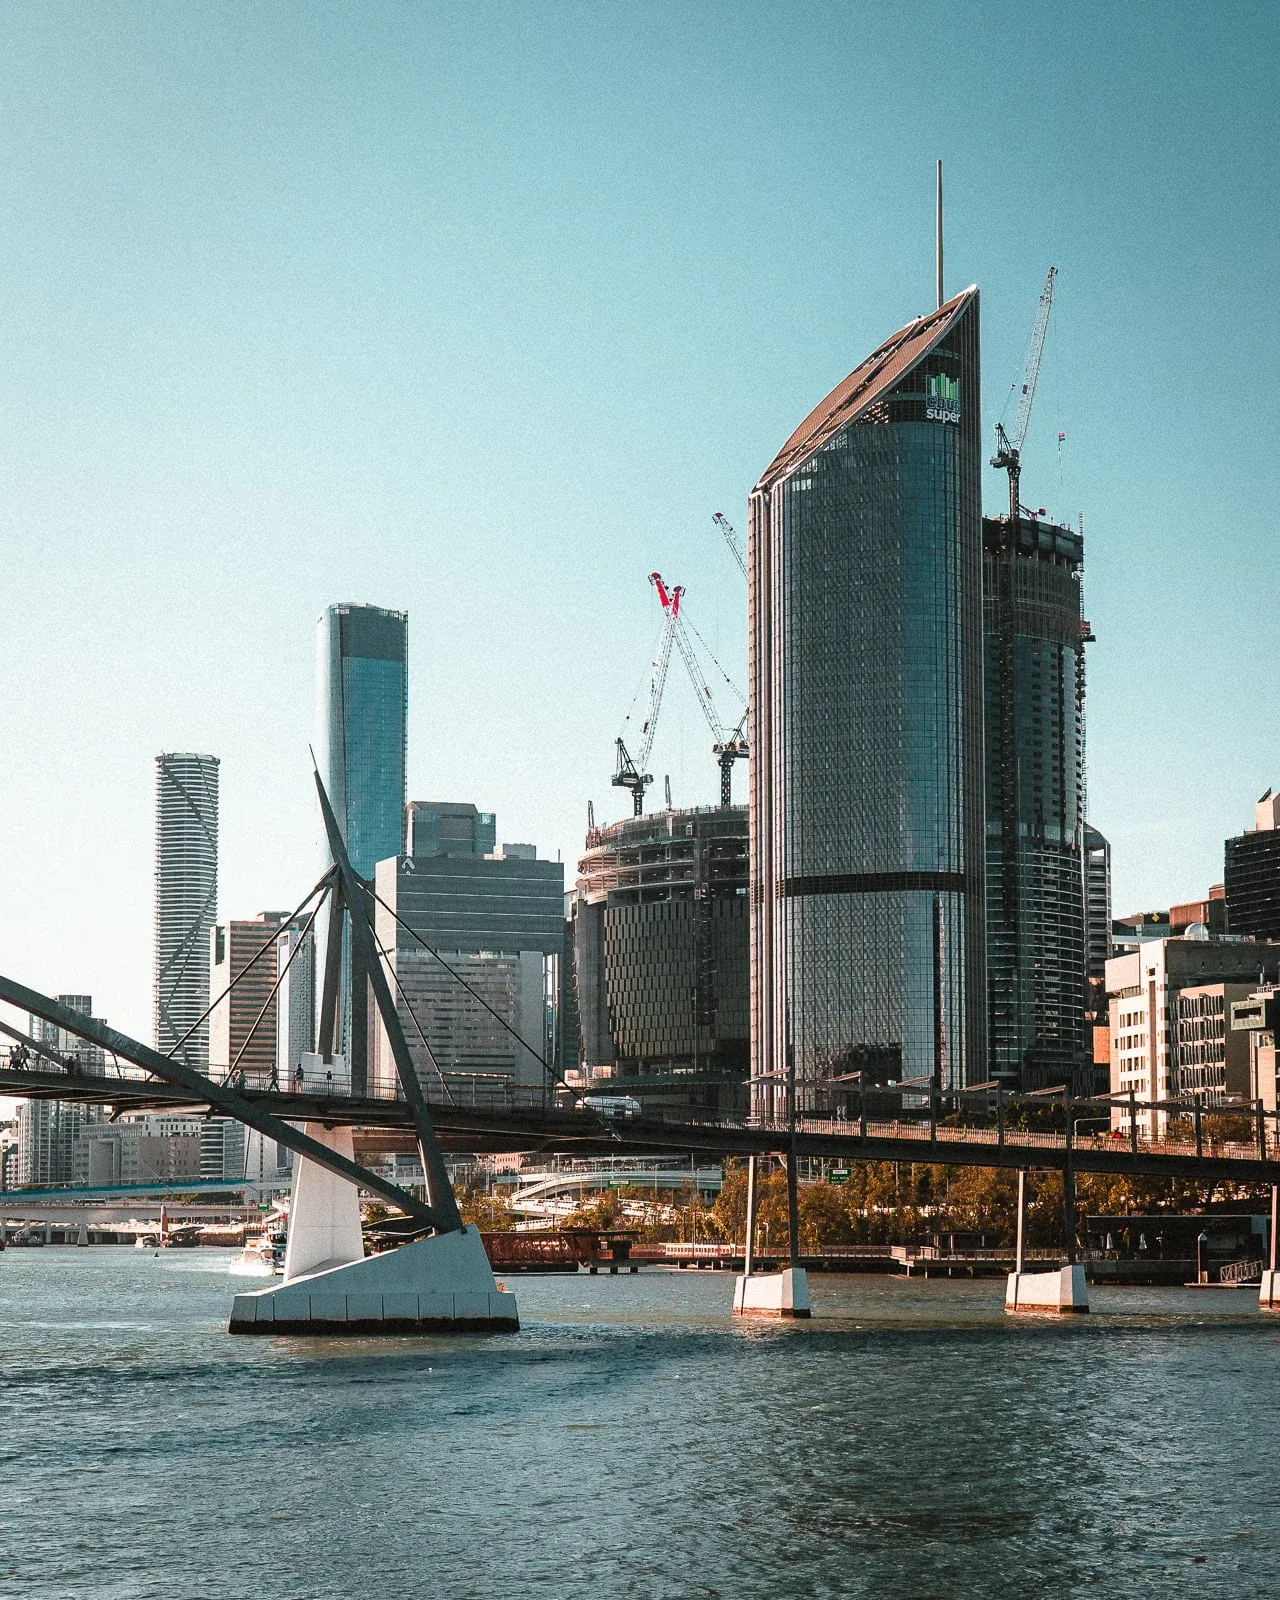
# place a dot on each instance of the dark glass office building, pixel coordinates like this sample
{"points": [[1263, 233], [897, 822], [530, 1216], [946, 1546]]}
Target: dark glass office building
{"points": [[1034, 683], [867, 927], [362, 715], [1251, 874]]}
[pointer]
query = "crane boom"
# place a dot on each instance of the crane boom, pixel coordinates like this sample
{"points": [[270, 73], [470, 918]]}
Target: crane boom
{"points": [[1009, 446], [726, 748], [633, 772], [731, 539]]}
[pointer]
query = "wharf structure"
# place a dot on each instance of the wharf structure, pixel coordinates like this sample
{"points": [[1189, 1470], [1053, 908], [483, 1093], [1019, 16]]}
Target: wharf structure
{"points": [[1034, 686], [658, 935], [186, 901], [866, 657]]}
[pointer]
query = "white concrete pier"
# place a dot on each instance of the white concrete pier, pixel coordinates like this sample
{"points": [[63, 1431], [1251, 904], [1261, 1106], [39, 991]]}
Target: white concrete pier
{"points": [[1048, 1293], [443, 1284], [772, 1294], [1269, 1292]]}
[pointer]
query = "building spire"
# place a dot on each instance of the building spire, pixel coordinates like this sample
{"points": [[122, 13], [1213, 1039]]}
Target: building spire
{"points": [[938, 234]]}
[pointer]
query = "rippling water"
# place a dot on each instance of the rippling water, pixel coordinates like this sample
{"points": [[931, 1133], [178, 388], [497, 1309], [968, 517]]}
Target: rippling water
{"points": [[632, 1440]]}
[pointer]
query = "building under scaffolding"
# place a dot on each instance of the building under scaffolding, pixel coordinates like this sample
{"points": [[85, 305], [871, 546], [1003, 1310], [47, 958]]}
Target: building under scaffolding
{"points": [[660, 947]]}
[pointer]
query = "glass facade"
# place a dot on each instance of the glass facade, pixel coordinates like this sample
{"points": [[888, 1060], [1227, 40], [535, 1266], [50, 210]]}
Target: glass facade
{"points": [[363, 713], [867, 778], [1034, 685]]}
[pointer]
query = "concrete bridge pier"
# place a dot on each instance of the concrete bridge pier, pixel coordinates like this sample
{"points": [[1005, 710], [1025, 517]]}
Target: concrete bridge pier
{"points": [[1269, 1293], [1048, 1293], [771, 1294]]}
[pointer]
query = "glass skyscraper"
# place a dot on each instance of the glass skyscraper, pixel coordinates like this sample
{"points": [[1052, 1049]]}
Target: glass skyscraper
{"points": [[362, 715], [867, 926]]}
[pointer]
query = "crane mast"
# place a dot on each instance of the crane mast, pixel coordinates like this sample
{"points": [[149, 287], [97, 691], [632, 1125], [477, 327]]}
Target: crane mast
{"points": [[633, 773], [1009, 446]]}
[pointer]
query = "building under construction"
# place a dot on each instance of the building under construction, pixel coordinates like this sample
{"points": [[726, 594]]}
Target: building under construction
{"points": [[660, 942], [1036, 957]]}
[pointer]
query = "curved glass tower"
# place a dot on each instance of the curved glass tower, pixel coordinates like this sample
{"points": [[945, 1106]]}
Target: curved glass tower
{"points": [[867, 947]]}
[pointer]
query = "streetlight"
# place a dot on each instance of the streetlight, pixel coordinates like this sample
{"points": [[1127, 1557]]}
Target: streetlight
{"points": [[1083, 1122], [1202, 1275]]}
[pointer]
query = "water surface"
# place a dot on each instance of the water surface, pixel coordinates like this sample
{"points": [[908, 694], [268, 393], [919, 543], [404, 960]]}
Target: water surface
{"points": [[632, 1440]]}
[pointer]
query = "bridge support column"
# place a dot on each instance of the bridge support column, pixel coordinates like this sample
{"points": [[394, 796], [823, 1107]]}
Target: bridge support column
{"points": [[441, 1284], [1269, 1293], [1047, 1293]]}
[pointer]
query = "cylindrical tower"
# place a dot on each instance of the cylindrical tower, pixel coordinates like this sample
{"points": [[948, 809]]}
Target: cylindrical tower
{"points": [[867, 779], [186, 901]]}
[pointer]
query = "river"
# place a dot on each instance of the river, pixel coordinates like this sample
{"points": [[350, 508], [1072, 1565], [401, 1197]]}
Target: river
{"points": [[633, 1440]]}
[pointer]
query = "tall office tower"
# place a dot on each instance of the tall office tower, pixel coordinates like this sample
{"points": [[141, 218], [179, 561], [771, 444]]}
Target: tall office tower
{"points": [[1252, 874], [867, 932], [1034, 687], [362, 713], [242, 1025], [498, 923], [186, 902], [1097, 903]]}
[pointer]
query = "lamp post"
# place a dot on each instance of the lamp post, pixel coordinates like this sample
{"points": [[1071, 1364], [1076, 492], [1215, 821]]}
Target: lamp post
{"points": [[1202, 1273]]}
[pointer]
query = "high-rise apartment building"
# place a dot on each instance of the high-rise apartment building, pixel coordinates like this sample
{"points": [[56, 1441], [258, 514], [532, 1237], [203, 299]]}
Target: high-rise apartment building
{"points": [[362, 716], [185, 902], [1097, 903], [1251, 875], [1034, 690], [866, 640], [242, 986]]}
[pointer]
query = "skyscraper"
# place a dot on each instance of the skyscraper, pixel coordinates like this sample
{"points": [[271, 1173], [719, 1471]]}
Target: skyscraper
{"points": [[362, 713], [186, 902], [867, 772], [1252, 874], [1034, 687]]}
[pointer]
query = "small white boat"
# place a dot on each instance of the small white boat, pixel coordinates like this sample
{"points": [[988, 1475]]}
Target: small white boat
{"points": [[264, 1258]]}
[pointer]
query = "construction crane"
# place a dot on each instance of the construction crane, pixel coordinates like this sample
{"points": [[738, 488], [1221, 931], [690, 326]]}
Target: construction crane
{"points": [[731, 539], [727, 747], [1009, 446], [634, 774]]}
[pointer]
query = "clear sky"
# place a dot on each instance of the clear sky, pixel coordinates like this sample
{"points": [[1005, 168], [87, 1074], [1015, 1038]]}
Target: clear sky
{"points": [[482, 310]]}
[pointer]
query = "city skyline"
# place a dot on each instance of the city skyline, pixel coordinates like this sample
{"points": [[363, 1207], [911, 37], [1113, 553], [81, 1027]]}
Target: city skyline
{"points": [[326, 427]]}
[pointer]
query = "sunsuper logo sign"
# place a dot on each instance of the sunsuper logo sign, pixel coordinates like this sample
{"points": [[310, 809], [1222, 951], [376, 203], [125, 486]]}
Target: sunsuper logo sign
{"points": [[942, 398]]}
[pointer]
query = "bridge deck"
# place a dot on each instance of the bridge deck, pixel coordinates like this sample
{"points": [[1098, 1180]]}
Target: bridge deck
{"points": [[548, 1129]]}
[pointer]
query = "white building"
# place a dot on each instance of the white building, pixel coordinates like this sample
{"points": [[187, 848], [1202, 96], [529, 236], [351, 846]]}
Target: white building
{"points": [[1142, 990]]}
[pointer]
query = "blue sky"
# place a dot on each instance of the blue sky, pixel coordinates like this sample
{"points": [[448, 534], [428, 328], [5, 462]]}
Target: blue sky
{"points": [[482, 311]]}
